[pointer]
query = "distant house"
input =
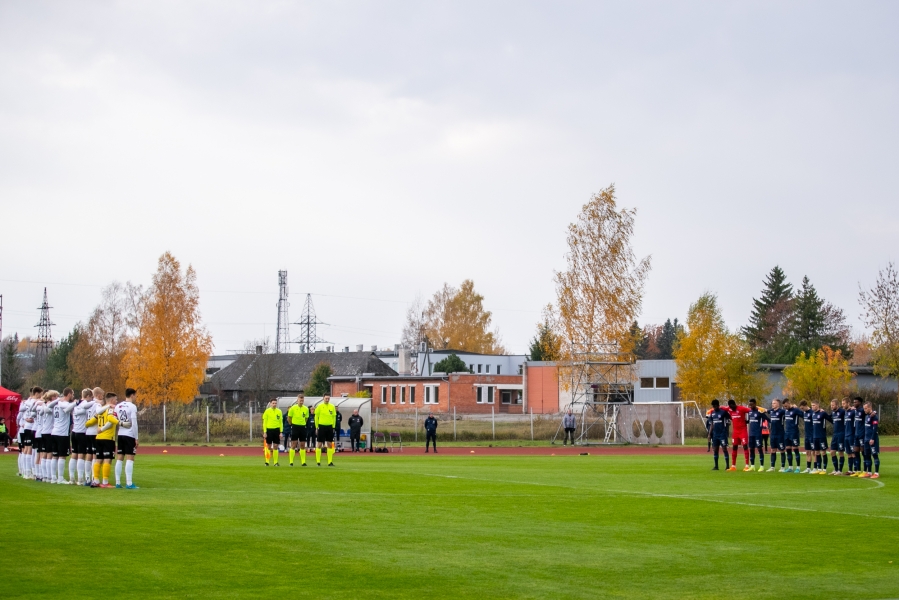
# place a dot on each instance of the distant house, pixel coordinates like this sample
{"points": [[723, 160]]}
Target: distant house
{"points": [[258, 376]]}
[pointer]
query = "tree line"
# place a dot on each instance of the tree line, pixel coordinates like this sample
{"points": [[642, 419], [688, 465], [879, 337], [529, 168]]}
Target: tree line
{"points": [[149, 339]]}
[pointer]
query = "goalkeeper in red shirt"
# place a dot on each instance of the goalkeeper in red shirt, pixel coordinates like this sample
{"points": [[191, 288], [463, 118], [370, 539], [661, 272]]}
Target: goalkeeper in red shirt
{"points": [[741, 435]]}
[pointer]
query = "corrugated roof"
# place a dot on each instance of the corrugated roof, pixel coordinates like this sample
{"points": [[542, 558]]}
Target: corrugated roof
{"points": [[291, 372]]}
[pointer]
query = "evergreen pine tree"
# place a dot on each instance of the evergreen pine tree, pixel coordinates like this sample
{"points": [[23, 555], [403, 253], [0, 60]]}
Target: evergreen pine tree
{"points": [[13, 375], [640, 341], [762, 327], [809, 320], [667, 338]]}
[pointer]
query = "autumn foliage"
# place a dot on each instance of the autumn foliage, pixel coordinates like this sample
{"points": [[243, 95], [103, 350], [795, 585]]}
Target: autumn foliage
{"points": [[822, 376], [600, 292], [166, 357]]}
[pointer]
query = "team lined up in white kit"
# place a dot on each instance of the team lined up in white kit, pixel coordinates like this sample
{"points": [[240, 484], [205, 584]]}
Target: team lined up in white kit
{"points": [[90, 432]]}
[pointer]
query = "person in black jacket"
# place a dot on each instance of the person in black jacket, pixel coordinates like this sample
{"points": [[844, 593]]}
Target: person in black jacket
{"points": [[337, 427], [311, 438], [355, 422], [430, 432]]}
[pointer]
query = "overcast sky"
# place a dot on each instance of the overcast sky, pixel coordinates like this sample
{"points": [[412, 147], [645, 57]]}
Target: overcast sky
{"points": [[377, 150]]}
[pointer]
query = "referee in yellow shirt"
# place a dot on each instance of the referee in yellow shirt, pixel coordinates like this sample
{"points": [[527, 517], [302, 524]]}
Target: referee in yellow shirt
{"points": [[298, 415], [273, 425], [325, 419]]}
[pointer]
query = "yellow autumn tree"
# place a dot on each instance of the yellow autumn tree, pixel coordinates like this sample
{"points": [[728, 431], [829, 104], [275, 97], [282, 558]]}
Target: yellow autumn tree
{"points": [[600, 292], [741, 376], [166, 359], [699, 351], [821, 376], [714, 363], [455, 318]]}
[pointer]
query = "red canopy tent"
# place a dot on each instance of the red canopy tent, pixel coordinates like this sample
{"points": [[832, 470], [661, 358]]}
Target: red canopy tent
{"points": [[9, 410]]}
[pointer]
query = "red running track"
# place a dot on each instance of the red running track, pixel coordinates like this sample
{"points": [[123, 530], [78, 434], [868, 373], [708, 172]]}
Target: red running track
{"points": [[446, 451]]}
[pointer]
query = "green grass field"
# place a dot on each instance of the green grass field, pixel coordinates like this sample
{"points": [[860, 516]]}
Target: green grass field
{"points": [[453, 527]]}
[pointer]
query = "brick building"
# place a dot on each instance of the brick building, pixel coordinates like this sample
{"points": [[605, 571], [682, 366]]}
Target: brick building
{"points": [[466, 392]]}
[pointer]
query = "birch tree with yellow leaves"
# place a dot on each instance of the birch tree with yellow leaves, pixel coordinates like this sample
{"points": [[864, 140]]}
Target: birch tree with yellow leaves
{"points": [[600, 293], [166, 357]]}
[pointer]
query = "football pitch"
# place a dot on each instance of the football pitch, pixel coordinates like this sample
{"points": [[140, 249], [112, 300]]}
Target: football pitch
{"points": [[418, 526]]}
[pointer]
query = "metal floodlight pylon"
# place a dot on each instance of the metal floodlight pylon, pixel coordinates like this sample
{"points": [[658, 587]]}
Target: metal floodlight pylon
{"points": [[602, 379], [282, 338], [44, 342]]}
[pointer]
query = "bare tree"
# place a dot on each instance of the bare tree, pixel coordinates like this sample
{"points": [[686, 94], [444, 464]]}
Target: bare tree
{"points": [[413, 329], [260, 374], [881, 314]]}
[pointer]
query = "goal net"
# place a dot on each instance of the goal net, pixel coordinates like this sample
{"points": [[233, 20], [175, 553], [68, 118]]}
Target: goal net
{"points": [[637, 423]]}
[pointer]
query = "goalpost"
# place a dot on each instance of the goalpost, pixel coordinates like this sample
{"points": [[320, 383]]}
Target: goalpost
{"points": [[628, 423]]}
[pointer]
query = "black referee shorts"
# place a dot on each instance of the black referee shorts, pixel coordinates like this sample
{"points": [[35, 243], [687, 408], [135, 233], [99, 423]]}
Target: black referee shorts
{"points": [[272, 436], [325, 434]]}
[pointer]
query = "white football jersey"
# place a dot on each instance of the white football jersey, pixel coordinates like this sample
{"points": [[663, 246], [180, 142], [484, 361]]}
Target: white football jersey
{"points": [[62, 417], [92, 408], [127, 411], [28, 412], [46, 420], [79, 416]]}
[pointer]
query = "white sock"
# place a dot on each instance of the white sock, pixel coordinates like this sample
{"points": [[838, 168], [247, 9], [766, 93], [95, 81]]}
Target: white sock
{"points": [[38, 468], [71, 468], [21, 470], [118, 472], [79, 470], [29, 464], [94, 462], [53, 462], [26, 464], [129, 471], [61, 473]]}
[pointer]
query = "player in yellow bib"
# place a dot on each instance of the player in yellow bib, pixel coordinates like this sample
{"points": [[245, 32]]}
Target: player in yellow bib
{"points": [[298, 415], [104, 445], [325, 419]]}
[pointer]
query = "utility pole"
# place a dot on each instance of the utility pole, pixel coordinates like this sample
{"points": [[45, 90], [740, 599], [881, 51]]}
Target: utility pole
{"points": [[282, 338], [44, 342]]}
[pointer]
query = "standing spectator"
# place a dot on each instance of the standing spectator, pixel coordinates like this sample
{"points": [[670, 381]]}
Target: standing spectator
{"points": [[430, 432], [339, 420], [4, 436], [355, 422], [569, 423], [311, 437]]}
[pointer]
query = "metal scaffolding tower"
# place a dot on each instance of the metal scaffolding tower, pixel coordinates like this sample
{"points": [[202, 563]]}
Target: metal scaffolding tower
{"points": [[602, 380], [308, 337], [282, 339], [44, 341]]}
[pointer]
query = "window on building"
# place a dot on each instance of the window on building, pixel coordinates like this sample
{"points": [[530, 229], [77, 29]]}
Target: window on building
{"points": [[393, 394], [506, 397], [411, 394], [487, 369], [402, 394], [484, 394], [647, 383], [663, 382], [498, 367], [521, 369], [471, 368], [479, 368], [383, 394], [431, 394]]}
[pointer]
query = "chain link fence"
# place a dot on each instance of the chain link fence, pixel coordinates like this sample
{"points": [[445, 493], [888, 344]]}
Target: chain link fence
{"points": [[197, 424]]}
